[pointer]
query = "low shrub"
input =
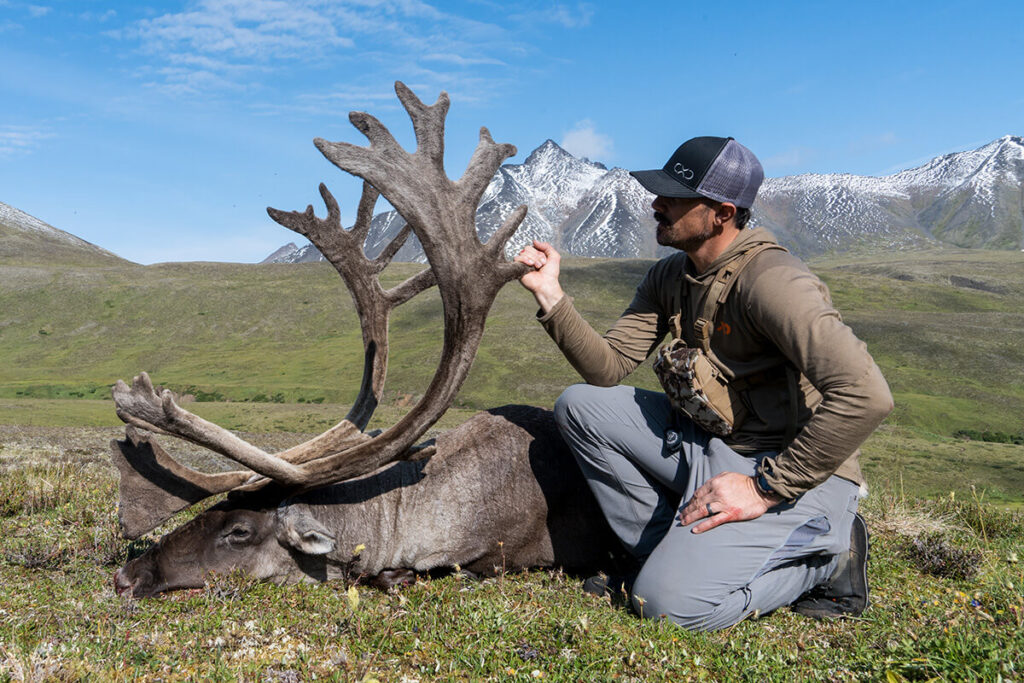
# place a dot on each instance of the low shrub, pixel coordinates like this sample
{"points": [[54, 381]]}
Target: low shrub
{"points": [[933, 554]]}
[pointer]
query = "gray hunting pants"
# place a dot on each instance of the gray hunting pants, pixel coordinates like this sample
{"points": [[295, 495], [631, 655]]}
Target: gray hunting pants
{"points": [[641, 474]]}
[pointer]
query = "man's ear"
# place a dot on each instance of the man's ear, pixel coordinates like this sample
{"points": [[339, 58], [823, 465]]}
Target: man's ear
{"points": [[725, 212], [300, 530]]}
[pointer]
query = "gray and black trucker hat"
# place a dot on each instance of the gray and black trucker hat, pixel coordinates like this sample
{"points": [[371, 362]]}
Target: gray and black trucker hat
{"points": [[717, 168]]}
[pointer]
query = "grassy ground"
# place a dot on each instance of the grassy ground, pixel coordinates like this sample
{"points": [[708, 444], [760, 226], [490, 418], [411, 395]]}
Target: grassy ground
{"points": [[946, 571], [948, 607], [944, 326]]}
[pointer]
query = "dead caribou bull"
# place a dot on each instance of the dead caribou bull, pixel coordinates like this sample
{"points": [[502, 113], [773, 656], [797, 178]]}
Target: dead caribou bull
{"points": [[499, 491]]}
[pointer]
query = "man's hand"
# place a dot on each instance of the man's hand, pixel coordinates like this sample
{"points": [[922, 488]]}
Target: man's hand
{"points": [[732, 497], [543, 280]]}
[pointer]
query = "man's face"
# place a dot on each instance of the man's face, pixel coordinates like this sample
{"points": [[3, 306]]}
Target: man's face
{"points": [[683, 223]]}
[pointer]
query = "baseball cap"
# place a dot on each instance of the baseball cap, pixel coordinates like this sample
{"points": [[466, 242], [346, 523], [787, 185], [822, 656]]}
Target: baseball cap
{"points": [[717, 168]]}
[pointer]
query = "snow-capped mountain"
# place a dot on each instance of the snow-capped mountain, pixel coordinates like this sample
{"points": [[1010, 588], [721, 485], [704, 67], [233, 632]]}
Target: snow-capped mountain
{"points": [[612, 219], [967, 199]]}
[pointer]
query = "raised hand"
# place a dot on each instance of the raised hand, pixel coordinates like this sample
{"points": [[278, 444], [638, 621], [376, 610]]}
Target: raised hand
{"points": [[542, 281]]}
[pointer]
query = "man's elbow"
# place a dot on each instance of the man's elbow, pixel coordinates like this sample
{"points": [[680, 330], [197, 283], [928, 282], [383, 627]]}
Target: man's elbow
{"points": [[608, 375], [880, 402], [599, 380]]}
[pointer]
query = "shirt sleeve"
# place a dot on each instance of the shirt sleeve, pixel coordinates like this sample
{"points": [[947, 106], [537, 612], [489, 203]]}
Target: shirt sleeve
{"points": [[792, 308], [605, 360]]}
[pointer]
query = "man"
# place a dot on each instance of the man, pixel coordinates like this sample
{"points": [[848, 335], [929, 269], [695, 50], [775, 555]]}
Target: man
{"points": [[723, 527]]}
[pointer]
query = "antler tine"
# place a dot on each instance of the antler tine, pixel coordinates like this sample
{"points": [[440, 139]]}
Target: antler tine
{"points": [[364, 214], [427, 122], [496, 245], [486, 159], [376, 132], [144, 402], [388, 252], [399, 294]]}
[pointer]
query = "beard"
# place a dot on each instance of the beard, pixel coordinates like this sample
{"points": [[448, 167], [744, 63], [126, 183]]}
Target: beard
{"points": [[692, 242]]}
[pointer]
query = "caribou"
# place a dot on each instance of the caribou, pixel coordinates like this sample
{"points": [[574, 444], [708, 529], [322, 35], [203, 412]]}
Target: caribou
{"points": [[498, 492]]}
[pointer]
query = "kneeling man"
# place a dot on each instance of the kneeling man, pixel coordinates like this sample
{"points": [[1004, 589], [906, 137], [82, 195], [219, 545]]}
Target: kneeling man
{"points": [[751, 505]]}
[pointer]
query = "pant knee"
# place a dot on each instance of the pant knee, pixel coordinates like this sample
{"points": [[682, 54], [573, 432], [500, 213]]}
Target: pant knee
{"points": [[570, 408], [563, 406], [666, 598]]}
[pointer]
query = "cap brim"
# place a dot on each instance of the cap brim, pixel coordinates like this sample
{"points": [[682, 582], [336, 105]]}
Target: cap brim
{"points": [[664, 185]]}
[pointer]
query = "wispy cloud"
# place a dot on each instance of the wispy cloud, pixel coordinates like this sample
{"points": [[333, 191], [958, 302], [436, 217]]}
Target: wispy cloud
{"points": [[239, 29], [583, 140], [331, 101], [219, 43], [459, 60], [38, 10], [575, 16], [20, 139], [98, 16]]}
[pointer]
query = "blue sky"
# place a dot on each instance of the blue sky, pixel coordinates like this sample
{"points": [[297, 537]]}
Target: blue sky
{"points": [[162, 130]]}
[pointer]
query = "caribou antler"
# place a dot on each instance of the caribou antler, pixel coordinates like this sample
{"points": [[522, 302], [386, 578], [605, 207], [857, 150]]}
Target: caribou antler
{"points": [[469, 274]]}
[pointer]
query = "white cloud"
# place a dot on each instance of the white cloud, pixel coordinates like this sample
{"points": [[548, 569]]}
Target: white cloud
{"points": [[98, 16], [333, 100], [396, 38], [576, 16], [458, 60], [247, 29], [20, 139], [38, 10], [584, 141]]}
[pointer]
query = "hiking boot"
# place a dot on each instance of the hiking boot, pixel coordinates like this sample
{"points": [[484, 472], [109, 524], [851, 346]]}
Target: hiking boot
{"points": [[845, 593]]}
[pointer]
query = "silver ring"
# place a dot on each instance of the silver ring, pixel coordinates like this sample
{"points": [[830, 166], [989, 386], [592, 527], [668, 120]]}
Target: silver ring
{"points": [[707, 506]]}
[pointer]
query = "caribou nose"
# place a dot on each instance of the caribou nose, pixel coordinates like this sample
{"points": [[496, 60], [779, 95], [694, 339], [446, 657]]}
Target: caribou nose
{"points": [[121, 582]]}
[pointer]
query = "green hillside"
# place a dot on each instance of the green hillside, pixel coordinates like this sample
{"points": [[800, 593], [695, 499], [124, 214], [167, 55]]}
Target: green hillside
{"points": [[945, 326], [19, 246]]}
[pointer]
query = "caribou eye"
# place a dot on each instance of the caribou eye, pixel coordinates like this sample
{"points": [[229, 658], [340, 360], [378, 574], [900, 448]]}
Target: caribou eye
{"points": [[239, 533]]}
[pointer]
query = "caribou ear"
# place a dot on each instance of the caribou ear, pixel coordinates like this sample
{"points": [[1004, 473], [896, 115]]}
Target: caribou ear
{"points": [[301, 531]]}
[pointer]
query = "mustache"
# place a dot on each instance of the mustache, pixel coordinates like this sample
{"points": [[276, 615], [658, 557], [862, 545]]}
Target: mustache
{"points": [[660, 217]]}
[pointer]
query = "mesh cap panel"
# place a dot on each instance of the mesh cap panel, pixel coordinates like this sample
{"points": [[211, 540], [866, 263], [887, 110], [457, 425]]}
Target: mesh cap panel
{"points": [[734, 176]]}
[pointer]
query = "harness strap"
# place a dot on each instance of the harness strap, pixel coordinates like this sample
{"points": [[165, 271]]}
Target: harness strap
{"points": [[718, 292], [704, 327]]}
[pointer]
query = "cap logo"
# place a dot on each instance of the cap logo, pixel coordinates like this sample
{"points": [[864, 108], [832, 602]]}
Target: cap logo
{"points": [[683, 171]]}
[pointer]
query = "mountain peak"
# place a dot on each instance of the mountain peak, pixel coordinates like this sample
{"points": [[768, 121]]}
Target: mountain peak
{"points": [[549, 148]]}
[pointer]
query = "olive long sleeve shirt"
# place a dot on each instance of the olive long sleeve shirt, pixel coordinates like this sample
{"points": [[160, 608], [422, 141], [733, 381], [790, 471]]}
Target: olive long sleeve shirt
{"points": [[778, 315]]}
